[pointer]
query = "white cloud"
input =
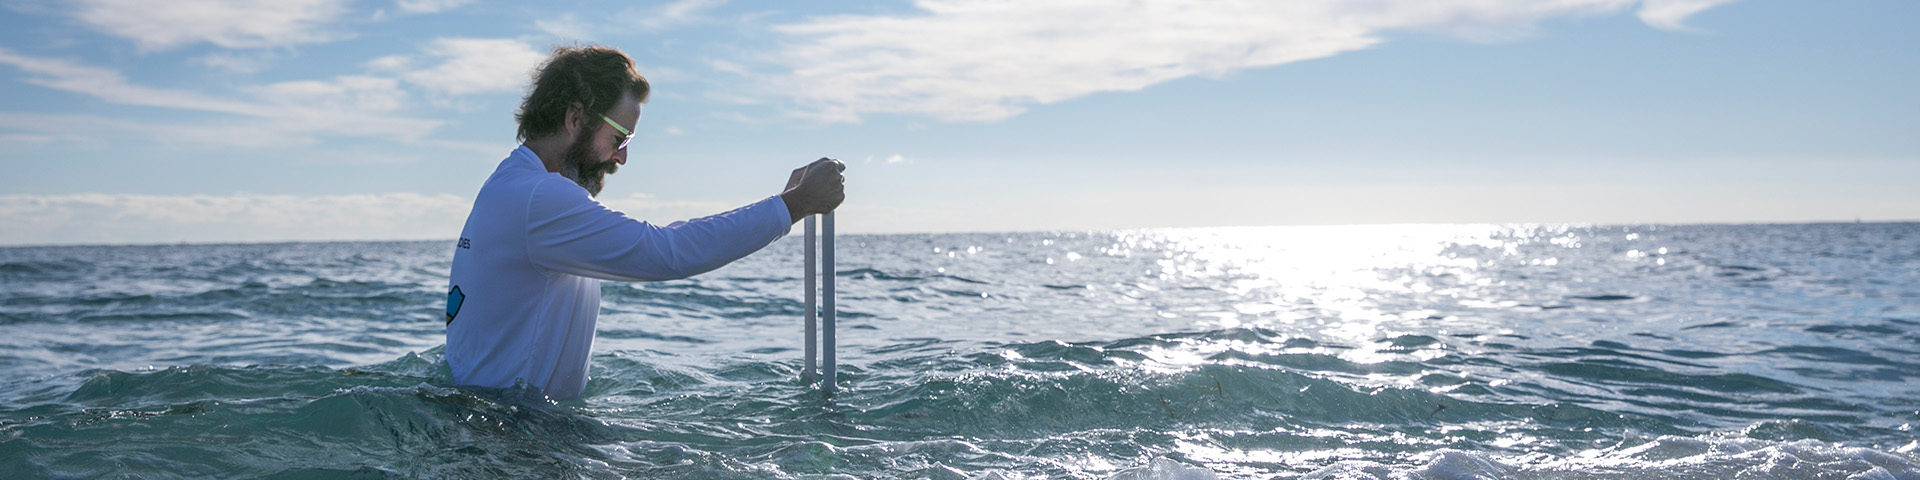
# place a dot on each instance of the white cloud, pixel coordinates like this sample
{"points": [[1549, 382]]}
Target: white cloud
{"points": [[673, 14], [26, 138], [389, 63], [111, 86], [728, 67], [567, 27], [1672, 14], [354, 92], [281, 114], [737, 117], [67, 128], [160, 25], [237, 63], [676, 131], [572, 27], [429, 6], [109, 132], [129, 218], [476, 65], [985, 60]]}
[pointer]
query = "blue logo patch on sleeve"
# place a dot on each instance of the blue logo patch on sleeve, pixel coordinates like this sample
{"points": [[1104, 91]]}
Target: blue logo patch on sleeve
{"points": [[454, 299]]}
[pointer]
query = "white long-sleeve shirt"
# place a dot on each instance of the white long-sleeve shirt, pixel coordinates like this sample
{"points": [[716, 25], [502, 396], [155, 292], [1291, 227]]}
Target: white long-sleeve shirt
{"points": [[525, 286]]}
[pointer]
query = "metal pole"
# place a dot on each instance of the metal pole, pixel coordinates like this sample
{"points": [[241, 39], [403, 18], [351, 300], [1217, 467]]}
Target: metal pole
{"points": [[826, 292], [813, 345]]}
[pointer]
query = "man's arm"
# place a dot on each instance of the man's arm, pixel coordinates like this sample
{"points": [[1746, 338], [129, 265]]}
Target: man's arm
{"points": [[567, 231]]}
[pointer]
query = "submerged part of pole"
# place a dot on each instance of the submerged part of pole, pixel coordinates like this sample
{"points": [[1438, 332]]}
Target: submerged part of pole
{"points": [[826, 293], [813, 343]]}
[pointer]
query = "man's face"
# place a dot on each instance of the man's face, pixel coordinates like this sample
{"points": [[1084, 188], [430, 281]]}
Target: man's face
{"points": [[595, 151]]}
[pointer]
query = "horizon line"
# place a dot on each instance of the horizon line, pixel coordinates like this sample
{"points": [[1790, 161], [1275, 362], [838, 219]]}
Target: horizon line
{"points": [[1856, 221]]}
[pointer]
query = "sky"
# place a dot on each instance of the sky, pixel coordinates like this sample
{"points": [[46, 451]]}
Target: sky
{"points": [[134, 121]]}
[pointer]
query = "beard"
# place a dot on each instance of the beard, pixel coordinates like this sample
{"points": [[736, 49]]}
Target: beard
{"points": [[579, 166]]}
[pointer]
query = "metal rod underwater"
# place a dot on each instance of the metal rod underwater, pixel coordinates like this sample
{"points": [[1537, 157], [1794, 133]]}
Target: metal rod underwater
{"points": [[823, 343], [813, 343], [827, 327]]}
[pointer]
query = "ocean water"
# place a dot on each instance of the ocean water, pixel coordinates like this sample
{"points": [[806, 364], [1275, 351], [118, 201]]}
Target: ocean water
{"points": [[1362, 352]]}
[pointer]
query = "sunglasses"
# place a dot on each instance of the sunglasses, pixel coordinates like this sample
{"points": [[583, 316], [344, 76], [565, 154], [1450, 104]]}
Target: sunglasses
{"points": [[625, 136]]}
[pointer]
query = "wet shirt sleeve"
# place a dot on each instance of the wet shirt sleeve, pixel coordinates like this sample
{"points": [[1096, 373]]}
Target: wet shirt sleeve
{"points": [[567, 231]]}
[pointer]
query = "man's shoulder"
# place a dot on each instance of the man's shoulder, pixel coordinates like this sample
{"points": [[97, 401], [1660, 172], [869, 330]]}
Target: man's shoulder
{"points": [[516, 177], [552, 186], [548, 195]]}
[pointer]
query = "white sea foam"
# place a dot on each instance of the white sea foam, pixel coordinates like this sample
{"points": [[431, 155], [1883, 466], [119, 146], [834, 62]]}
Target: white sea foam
{"points": [[1664, 457], [1163, 468]]}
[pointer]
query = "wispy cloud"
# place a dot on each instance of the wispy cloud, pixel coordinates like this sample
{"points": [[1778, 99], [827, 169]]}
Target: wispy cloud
{"points": [[980, 60], [278, 113], [93, 130], [673, 14], [1672, 14], [359, 93], [429, 6], [292, 112], [161, 25], [575, 27], [568, 27], [234, 62], [112, 86], [26, 138], [476, 65]]}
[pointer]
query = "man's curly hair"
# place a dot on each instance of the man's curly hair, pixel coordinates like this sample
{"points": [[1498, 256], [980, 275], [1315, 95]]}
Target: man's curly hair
{"points": [[591, 75]]}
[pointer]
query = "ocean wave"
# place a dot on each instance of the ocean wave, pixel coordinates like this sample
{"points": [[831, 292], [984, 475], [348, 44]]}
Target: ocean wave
{"points": [[1218, 416]]}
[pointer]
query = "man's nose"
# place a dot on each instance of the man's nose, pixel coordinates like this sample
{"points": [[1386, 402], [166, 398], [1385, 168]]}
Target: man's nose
{"points": [[620, 156]]}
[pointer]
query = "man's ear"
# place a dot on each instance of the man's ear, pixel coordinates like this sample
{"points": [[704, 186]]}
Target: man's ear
{"points": [[572, 123]]}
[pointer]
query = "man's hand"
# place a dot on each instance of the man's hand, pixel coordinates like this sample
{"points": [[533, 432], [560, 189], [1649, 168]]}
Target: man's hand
{"points": [[818, 187]]}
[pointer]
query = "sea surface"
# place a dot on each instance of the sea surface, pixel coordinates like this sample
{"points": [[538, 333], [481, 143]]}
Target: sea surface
{"points": [[1355, 352]]}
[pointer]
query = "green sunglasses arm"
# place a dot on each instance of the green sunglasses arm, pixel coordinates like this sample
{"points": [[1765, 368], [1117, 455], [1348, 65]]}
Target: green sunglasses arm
{"points": [[616, 125]]}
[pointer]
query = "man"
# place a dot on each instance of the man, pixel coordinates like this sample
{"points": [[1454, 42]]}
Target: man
{"points": [[525, 286]]}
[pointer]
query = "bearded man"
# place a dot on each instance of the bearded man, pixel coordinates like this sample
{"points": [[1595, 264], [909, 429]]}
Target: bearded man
{"points": [[524, 291]]}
